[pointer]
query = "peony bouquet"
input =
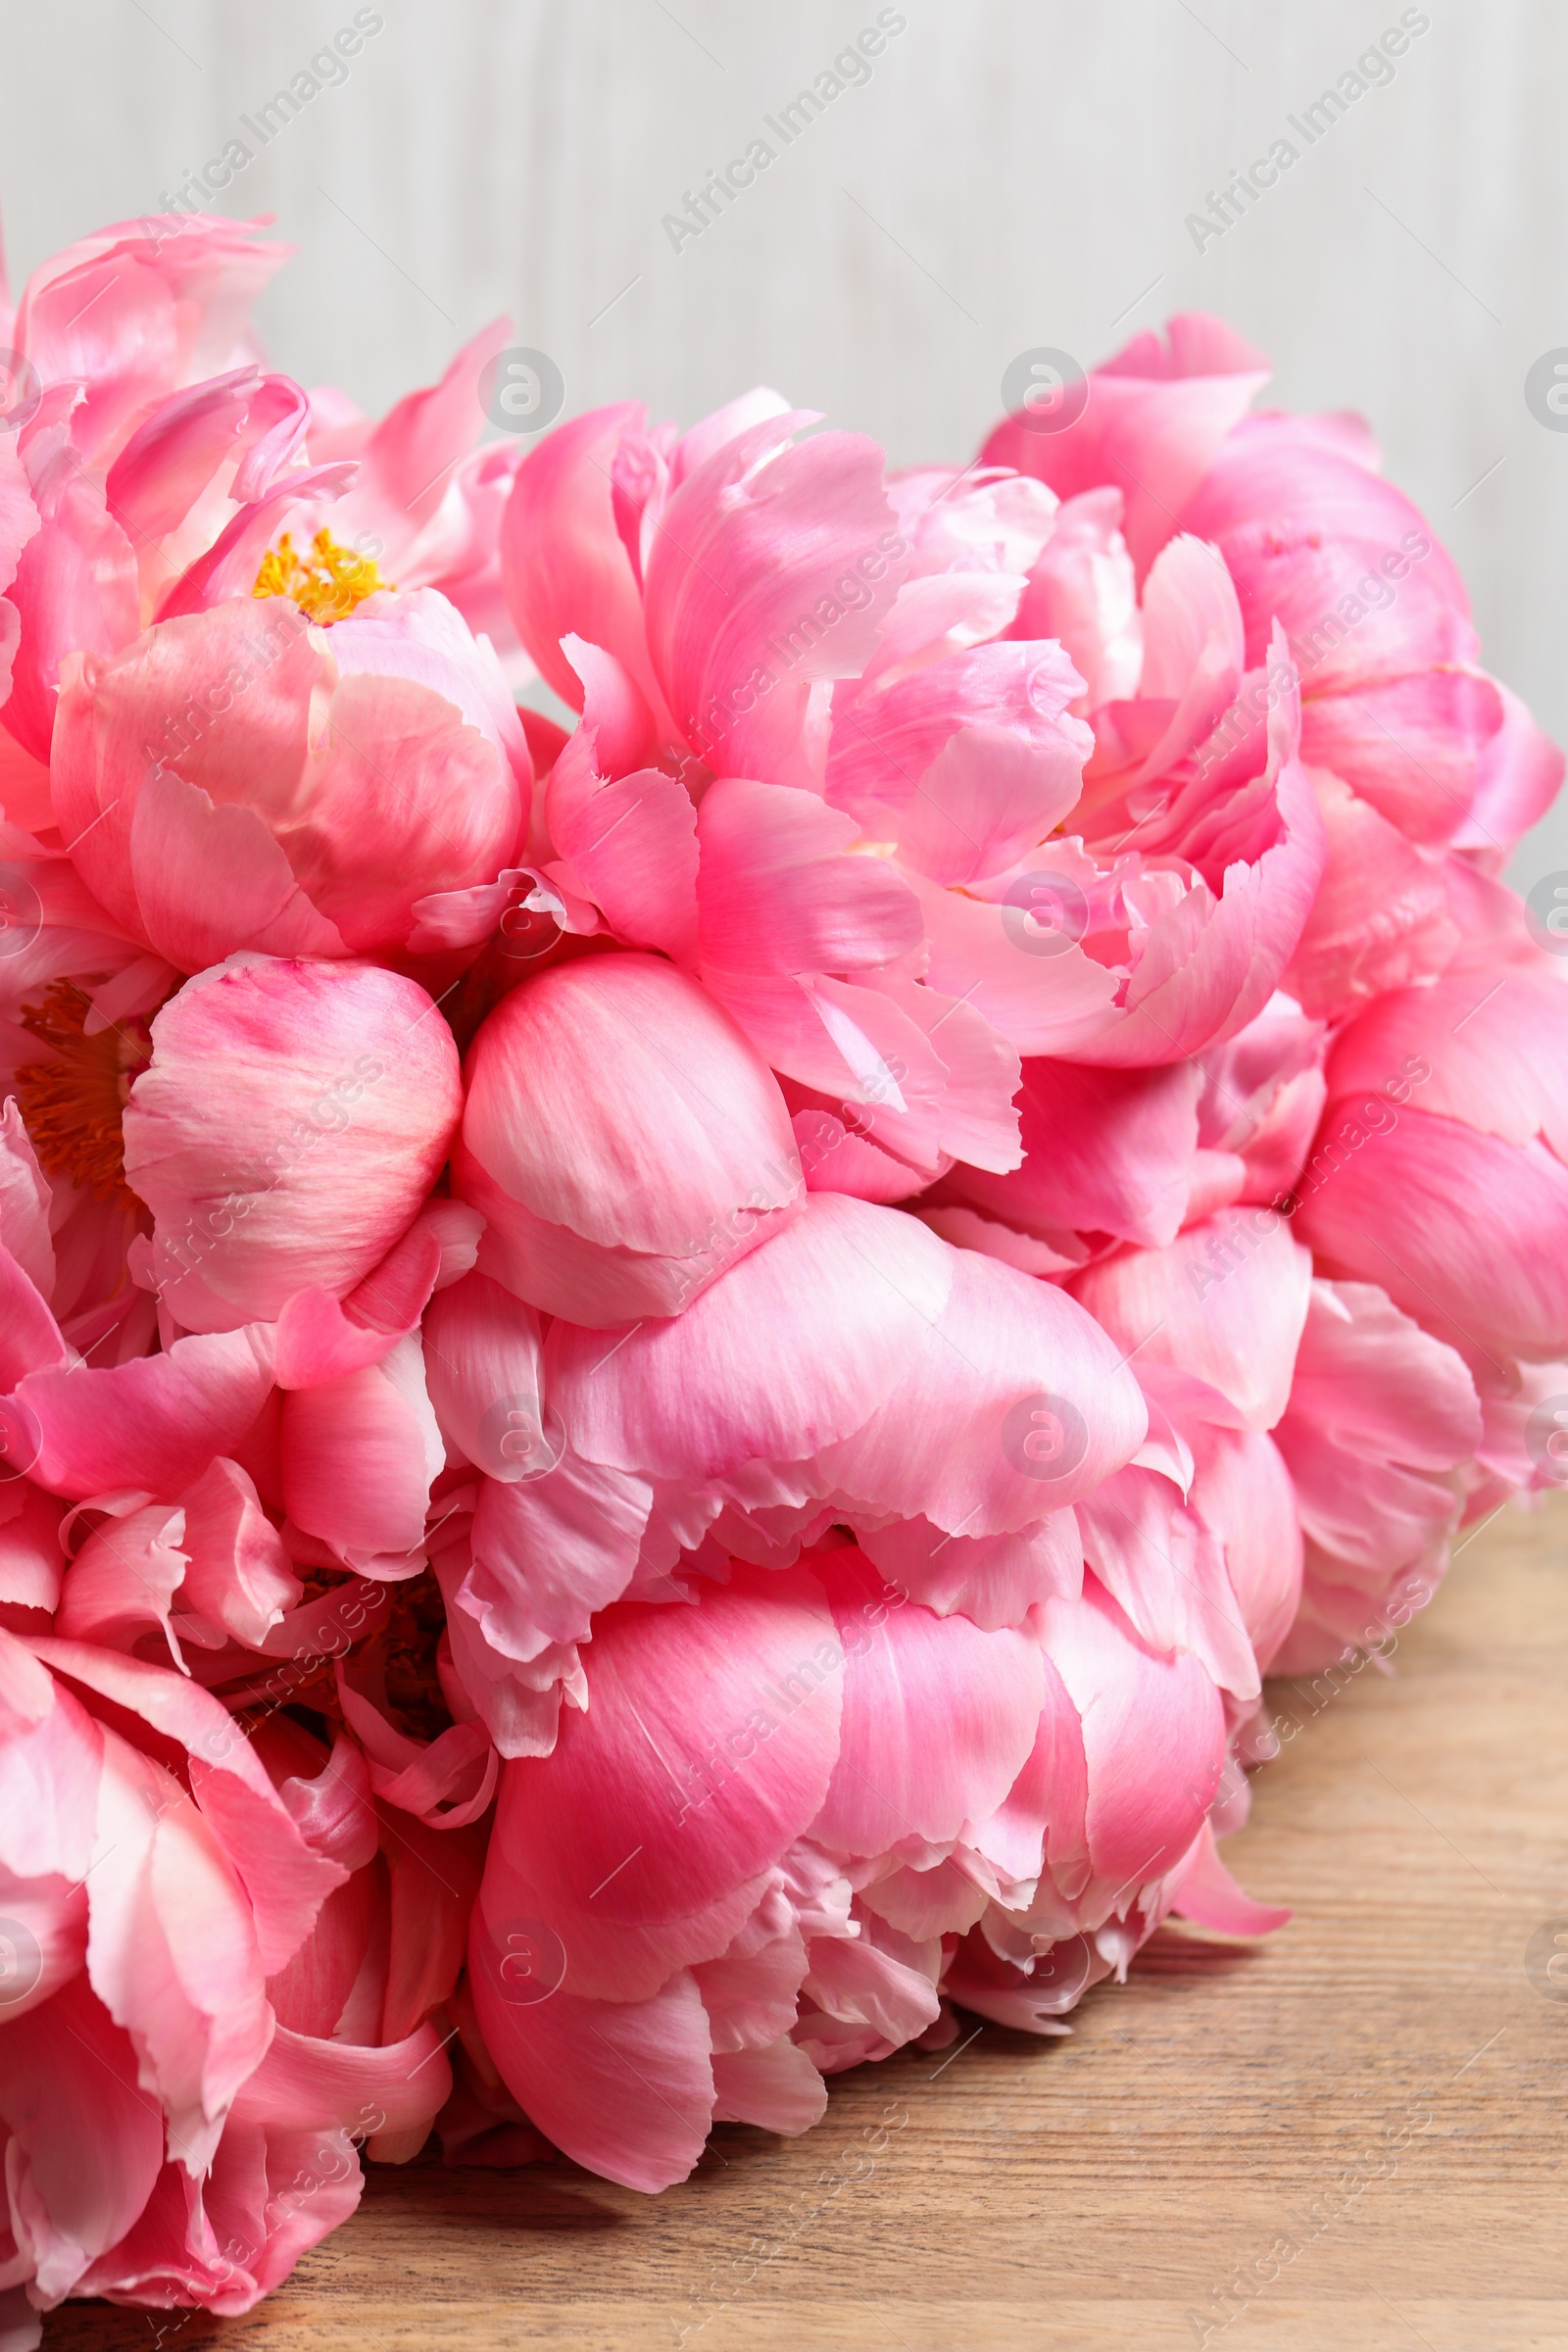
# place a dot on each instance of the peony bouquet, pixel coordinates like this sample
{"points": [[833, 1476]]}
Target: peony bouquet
{"points": [[665, 1385]]}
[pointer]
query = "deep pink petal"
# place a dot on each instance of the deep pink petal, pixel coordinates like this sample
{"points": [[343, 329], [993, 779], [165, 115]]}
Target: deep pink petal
{"points": [[155, 1422]]}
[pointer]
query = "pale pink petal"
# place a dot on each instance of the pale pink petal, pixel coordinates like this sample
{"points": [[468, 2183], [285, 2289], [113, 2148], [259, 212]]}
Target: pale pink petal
{"points": [[74, 591], [550, 1551], [25, 1199], [1381, 1415], [993, 1579], [846, 1294], [1225, 1301], [1082, 592], [1397, 1206], [285, 1880], [29, 1335], [1154, 1741], [1381, 917], [1202, 1888], [776, 2088], [625, 2088], [969, 762], [591, 1216], [777, 893], [290, 1124], [1104, 1151], [684, 1809], [1016, 1403], [482, 1367], [141, 307], [1243, 1493], [122, 1582], [86, 2142], [563, 498], [1518, 777], [939, 1715], [1167, 1570], [238, 1576], [419, 636]]}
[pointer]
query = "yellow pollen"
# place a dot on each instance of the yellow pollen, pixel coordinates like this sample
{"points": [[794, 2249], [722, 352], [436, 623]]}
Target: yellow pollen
{"points": [[326, 584], [71, 1104]]}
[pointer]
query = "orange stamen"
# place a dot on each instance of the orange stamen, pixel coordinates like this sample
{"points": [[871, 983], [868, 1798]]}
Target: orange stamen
{"points": [[71, 1104]]}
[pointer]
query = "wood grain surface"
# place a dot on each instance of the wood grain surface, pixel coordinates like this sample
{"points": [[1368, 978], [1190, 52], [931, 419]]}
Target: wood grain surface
{"points": [[1380, 2088]]}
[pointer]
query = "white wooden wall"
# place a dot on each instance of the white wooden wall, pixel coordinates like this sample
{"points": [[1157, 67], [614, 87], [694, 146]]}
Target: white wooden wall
{"points": [[1014, 172]]}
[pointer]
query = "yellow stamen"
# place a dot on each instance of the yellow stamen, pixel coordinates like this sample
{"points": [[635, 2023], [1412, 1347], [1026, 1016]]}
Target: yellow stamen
{"points": [[71, 1104], [326, 584]]}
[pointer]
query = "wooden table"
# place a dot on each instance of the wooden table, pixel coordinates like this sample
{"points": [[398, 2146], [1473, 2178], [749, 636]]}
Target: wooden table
{"points": [[1379, 2086]]}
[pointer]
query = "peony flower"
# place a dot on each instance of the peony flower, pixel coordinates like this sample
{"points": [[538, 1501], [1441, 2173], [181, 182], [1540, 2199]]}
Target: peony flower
{"points": [[237, 778], [947, 1408], [722, 1903], [197, 2034], [663, 1392]]}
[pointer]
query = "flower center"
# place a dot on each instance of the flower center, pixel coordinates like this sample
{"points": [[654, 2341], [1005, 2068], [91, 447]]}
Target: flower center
{"points": [[71, 1103], [326, 584]]}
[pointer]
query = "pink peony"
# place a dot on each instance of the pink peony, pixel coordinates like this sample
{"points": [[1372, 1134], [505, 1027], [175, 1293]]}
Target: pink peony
{"points": [[195, 2039], [725, 1903], [663, 1392]]}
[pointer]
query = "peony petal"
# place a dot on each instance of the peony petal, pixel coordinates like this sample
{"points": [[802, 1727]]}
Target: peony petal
{"points": [[292, 1120], [155, 1422], [939, 1715], [845, 1294], [1225, 1301]]}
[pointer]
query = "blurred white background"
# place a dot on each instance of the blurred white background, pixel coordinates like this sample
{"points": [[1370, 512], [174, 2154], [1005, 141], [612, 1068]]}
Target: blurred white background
{"points": [[1012, 174]]}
